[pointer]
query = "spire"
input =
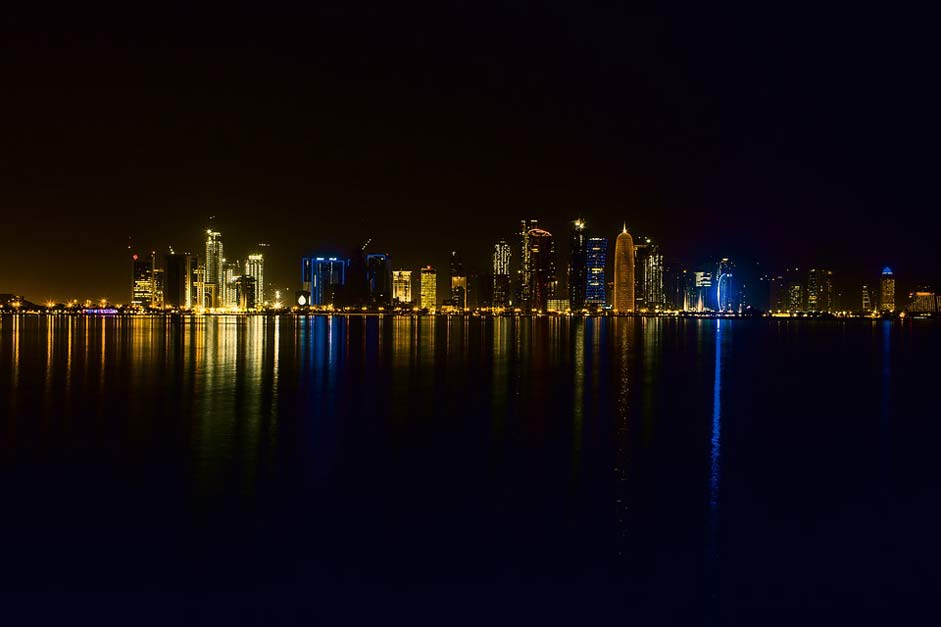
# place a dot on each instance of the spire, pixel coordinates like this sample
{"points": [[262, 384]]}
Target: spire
{"points": [[625, 227]]}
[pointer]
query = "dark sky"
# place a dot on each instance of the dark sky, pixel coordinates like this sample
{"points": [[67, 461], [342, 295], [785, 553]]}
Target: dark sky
{"points": [[792, 134]]}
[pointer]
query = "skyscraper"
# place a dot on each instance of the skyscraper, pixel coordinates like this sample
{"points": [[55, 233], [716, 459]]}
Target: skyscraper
{"points": [[213, 275], [596, 260], [578, 265], [245, 291], [458, 281], [379, 279], [887, 291], [142, 280], [648, 275], [402, 287], [255, 268], [501, 274], [429, 288], [624, 272], [525, 289], [725, 291], [231, 270], [542, 278], [867, 299], [324, 278], [819, 290], [177, 270], [778, 294]]}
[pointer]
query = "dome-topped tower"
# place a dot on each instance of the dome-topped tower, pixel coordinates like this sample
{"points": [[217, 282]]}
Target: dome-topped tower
{"points": [[624, 272]]}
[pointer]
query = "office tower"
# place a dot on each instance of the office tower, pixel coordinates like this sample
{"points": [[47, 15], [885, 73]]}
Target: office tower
{"points": [[923, 300], [142, 280], [542, 278], [379, 279], [255, 268], [867, 299], [245, 291], [480, 290], [596, 260], [429, 288], [501, 274], [887, 290], [726, 296], [158, 287], [324, 278], [819, 290], [177, 290], [796, 290], [624, 272], [458, 296], [231, 270], [402, 287], [578, 265], [213, 274], [648, 275], [525, 288], [702, 295]]}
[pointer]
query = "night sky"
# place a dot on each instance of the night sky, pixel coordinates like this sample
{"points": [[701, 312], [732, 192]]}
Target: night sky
{"points": [[793, 135]]}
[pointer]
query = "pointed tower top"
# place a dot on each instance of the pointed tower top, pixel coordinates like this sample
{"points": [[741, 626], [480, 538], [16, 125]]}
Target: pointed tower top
{"points": [[625, 227]]}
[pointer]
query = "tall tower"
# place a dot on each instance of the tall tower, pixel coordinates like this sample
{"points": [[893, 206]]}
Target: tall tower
{"points": [[213, 274], [255, 268], [429, 288], [542, 279], [597, 259], [525, 289], [402, 287], [887, 292], [624, 272], [501, 274], [578, 265], [142, 280], [458, 281]]}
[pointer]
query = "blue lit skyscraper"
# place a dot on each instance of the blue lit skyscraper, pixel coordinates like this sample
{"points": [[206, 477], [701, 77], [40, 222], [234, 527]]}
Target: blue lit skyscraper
{"points": [[324, 278], [597, 258]]}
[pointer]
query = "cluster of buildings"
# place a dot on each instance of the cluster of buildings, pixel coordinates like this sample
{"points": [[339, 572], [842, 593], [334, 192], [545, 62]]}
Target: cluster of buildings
{"points": [[198, 283]]}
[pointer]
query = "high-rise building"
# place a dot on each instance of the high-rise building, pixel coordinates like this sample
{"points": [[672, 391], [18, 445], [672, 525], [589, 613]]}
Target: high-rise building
{"points": [[231, 270], [674, 286], [245, 291], [648, 275], [142, 280], [923, 300], [726, 296], [177, 280], [887, 290], [867, 299], [458, 296], [542, 279], [596, 260], [402, 287], [578, 265], [324, 278], [429, 288], [501, 274], [525, 288], [819, 290], [255, 268], [158, 286], [379, 279], [701, 298], [624, 272], [778, 294], [213, 274]]}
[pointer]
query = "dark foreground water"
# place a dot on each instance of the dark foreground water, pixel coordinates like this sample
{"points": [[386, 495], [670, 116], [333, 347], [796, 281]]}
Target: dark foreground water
{"points": [[231, 470]]}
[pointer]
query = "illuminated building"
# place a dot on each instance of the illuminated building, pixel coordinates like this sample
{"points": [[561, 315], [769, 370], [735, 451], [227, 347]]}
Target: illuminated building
{"points": [[557, 304], [923, 301], [596, 260], [887, 290], [158, 287], [578, 265], [701, 299], [796, 290], [379, 279], [501, 274], [648, 275], [142, 280], [778, 293], [213, 273], [525, 288], [231, 270], [624, 272], [725, 291], [867, 299], [245, 291], [458, 282], [429, 288], [402, 287], [324, 278], [255, 268], [542, 280], [819, 290]]}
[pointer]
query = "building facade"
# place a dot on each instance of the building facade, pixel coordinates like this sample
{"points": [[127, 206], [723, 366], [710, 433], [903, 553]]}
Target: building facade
{"points": [[428, 298], [623, 296], [596, 262], [887, 290], [501, 274], [255, 268], [402, 287], [578, 265], [213, 273]]}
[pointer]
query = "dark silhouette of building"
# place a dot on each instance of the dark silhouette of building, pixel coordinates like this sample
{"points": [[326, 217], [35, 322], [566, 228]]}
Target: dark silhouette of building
{"points": [[578, 265]]}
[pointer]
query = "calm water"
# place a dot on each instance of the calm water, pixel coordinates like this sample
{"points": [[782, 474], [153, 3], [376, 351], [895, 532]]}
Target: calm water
{"points": [[229, 470]]}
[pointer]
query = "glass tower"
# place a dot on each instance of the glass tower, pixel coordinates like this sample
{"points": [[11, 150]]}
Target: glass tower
{"points": [[596, 260]]}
